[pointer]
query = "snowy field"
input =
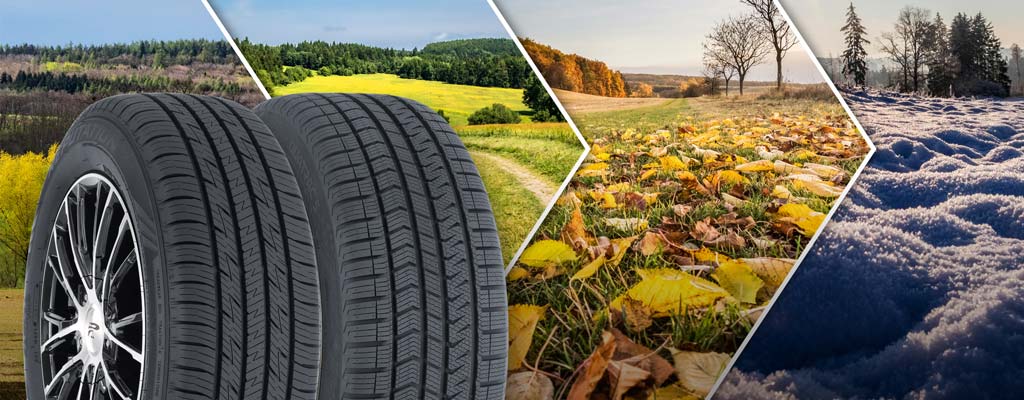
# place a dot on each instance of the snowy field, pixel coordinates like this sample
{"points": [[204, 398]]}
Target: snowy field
{"points": [[916, 288]]}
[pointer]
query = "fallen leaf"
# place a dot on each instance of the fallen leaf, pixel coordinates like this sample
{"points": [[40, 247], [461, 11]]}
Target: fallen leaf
{"points": [[593, 368], [681, 210], [575, 232], [756, 166], [671, 292], [739, 280], [675, 391], [673, 163], [803, 216], [590, 269], [731, 177], [547, 253], [772, 271], [529, 385], [636, 315], [623, 377], [627, 224], [643, 357], [522, 321], [618, 249], [650, 244], [699, 371], [818, 188], [647, 174], [594, 169], [517, 273]]}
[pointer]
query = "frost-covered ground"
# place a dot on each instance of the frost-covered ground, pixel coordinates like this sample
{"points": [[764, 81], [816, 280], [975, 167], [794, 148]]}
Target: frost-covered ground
{"points": [[916, 289]]}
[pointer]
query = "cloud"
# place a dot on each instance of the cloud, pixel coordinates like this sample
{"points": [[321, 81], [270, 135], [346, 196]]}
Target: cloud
{"points": [[441, 36]]}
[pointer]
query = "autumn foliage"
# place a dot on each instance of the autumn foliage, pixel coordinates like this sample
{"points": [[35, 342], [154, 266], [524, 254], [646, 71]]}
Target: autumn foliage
{"points": [[575, 73]]}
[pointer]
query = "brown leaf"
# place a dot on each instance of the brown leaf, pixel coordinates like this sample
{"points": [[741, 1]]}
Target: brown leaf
{"points": [[640, 356], [651, 243], [623, 377], [574, 232], [592, 369], [703, 231], [601, 248], [529, 385], [636, 315], [680, 210]]}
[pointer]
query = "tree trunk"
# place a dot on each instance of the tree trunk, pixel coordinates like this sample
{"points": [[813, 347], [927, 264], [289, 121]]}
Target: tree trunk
{"points": [[743, 77], [778, 67]]}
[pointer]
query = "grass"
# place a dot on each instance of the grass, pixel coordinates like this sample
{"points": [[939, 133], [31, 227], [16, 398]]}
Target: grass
{"points": [[516, 210], [457, 101], [628, 151], [12, 373], [645, 119], [550, 148]]}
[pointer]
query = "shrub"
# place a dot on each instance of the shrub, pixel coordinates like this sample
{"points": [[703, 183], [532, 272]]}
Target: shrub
{"points": [[21, 180], [495, 114]]}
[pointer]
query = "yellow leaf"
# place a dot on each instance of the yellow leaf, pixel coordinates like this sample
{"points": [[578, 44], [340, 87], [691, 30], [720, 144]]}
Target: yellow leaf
{"points": [[517, 273], [731, 177], [675, 391], [772, 271], [647, 174], [602, 156], [739, 280], [699, 371], [804, 217], [673, 163], [780, 192], [619, 247], [627, 224], [818, 188], [522, 321], [707, 255], [824, 171], [686, 178], [590, 269], [547, 253], [668, 291], [756, 166], [618, 187], [594, 169]]}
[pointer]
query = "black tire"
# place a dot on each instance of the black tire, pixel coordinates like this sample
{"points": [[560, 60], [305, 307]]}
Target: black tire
{"points": [[229, 282], [410, 264]]}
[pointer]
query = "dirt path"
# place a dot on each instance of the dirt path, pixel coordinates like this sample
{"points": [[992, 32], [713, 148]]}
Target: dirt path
{"points": [[541, 188]]}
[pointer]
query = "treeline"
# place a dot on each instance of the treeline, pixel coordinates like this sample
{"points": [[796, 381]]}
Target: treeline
{"points": [[963, 58], [82, 83], [134, 54], [578, 74], [476, 62]]}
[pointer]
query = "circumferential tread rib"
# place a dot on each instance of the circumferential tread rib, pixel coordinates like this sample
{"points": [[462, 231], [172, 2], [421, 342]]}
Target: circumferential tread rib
{"points": [[411, 243]]}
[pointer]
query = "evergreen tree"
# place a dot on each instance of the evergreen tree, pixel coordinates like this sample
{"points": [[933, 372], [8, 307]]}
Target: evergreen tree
{"points": [[854, 63], [941, 67], [537, 98]]}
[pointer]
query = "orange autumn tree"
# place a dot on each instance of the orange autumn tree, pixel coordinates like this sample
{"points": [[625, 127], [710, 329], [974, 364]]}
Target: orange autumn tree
{"points": [[575, 73]]}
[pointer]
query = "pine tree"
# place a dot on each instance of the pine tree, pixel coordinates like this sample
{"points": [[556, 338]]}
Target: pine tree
{"points": [[854, 63], [941, 68]]}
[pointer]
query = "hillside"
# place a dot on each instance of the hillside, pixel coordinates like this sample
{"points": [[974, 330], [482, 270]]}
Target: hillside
{"points": [[575, 73]]}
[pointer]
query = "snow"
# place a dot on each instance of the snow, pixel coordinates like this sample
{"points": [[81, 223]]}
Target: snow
{"points": [[916, 288]]}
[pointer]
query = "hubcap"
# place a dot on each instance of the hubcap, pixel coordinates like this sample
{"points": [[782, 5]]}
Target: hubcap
{"points": [[93, 322]]}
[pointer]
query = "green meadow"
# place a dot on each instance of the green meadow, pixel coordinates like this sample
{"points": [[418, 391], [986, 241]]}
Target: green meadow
{"points": [[457, 101]]}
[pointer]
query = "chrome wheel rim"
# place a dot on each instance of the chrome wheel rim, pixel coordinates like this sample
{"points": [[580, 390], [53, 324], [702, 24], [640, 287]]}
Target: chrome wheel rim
{"points": [[93, 319]]}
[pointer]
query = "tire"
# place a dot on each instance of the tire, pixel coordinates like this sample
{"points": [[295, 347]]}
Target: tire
{"points": [[219, 241], [409, 258]]}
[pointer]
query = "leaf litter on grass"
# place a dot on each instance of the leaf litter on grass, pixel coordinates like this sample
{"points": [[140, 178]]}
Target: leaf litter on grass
{"points": [[670, 243]]}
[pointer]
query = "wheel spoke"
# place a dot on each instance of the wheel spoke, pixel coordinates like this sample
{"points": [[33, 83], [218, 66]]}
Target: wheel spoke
{"points": [[64, 370], [113, 382], [74, 253], [122, 228], [60, 271], [128, 320], [102, 224], [58, 337], [55, 319], [112, 279], [136, 355]]}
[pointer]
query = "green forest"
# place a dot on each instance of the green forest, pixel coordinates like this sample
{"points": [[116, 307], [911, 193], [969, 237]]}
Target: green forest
{"points": [[477, 62]]}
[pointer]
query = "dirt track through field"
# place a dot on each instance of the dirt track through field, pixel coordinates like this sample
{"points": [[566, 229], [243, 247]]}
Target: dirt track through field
{"points": [[541, 188]]}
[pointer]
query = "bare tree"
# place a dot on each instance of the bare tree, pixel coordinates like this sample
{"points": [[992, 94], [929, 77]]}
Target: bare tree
{"points": [[777, 31], [909, 45], [715, 64], [739, 45]]}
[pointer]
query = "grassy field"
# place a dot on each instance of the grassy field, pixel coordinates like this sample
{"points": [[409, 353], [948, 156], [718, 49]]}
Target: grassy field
{"points": [[551, 149], [677, 231], [457, 101]]}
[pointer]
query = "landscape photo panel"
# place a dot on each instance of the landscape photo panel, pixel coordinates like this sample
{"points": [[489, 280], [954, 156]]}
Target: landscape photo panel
{"points": [[718, 151]]}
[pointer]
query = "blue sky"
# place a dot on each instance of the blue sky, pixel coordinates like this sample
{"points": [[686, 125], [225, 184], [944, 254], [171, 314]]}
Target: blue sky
{"points": [[653, 36], [52, 22], [398, 24]]}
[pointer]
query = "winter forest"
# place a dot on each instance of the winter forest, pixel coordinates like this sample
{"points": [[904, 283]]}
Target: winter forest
{"points": [[923, 54]]}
